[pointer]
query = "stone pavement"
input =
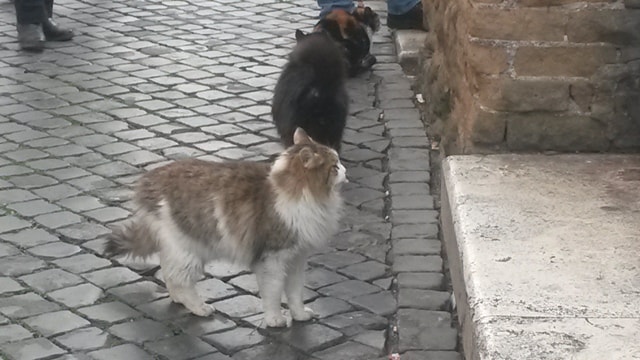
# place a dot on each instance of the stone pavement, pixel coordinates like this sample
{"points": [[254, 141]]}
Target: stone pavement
{"points": [[145, 82]]}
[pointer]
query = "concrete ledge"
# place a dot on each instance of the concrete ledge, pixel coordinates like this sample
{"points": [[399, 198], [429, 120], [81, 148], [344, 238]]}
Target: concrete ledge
{"points": [[545, 254], [408, 45]]}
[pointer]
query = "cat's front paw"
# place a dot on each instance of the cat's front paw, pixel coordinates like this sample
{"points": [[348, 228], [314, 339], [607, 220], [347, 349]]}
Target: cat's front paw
{"points": [[203, 310], [275, 321], [305, 314]]}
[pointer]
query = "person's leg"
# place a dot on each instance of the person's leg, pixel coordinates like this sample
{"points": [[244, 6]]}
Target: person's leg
{"points": [[30, 14], [328, 5], [30, 11], [52, 31], [405, 14]]}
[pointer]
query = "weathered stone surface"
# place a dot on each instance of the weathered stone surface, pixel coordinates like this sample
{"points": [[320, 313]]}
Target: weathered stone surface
{"points": [[422, 329]]}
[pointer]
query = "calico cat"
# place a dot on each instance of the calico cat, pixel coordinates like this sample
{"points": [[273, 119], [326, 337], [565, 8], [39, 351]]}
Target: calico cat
{"points": [[268, 217], [353, 31], [311, 91]]}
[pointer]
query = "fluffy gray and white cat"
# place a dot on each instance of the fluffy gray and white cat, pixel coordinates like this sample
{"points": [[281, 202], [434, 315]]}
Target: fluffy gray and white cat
{"points": [[269, 217]]}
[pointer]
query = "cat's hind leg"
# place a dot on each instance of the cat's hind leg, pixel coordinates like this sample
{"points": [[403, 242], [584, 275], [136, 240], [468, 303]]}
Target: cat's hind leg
{"points": [[182, 266], [270, 273]]}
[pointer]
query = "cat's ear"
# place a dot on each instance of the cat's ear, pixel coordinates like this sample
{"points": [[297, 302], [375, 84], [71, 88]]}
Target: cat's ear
{"points": [[300, 35], [300, 137], [310, 159]]}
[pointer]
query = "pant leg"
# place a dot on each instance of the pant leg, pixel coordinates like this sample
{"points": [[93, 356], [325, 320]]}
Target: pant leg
{"points": [[48, 5], [399, 7], [30, 11], [328, 5]]}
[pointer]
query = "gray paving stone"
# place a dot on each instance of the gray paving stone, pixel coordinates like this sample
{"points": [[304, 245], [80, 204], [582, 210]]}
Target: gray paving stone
{"points": [[349, 289], [164, 309], [110, 277], [55, 322], [349, 350], [33, 208], [13, 332], [426, 330], [15, 195], [423, 299], [19, 265], [8, 285], [83, 231], [140, 157], [240, 306], [31, 349], [198, 326], [366, 271], [84, 339], [421, 280], [375, 339], [414, 216], [431, 355], [139, 293], [337, 259], [140, 331], [75, 296], [57, 192], [11, 223], [56, 249], [274, 350], [107, 214], [7, 250], [51, 279], [81, 203], [29, 237], [24, 305], [327, 306], [417, 247], [126, 351], [415, 263], [109, 312], [82, 263], [319, 277], [234, 340], [410, 231], [310, 337], [382, 303], [181, 347]]}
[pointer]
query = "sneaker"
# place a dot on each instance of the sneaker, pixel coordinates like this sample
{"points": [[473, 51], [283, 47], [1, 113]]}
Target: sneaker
{"points": [[412, 19]]}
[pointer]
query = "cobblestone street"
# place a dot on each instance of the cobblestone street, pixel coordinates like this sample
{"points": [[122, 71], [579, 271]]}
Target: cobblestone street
{"points": [[147, 82]]}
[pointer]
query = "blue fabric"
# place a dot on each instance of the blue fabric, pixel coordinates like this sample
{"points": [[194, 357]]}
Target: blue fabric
{"points": [[394, 7], [399, 7], [328, 5]]}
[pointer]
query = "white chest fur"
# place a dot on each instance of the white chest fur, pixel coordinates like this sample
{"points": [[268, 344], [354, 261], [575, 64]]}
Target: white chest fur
{"points": [[313, 221]]}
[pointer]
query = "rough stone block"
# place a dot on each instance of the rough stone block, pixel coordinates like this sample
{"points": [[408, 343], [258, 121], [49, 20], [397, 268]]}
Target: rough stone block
{"points": [[523, 24], [507, 94], [615, 26], [562, 60], [545, 132], [486, 58]]}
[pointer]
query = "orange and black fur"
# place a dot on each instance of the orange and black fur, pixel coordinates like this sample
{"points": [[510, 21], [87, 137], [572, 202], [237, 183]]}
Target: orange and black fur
{"points": [[350, 31]]}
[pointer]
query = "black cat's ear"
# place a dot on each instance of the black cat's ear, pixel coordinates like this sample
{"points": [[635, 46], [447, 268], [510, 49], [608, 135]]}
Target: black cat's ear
{"points": [[300, 35], [300, 137]]}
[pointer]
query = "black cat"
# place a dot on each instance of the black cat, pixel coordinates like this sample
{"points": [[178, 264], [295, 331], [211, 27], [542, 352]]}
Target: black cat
{"points": [[311, 91]]}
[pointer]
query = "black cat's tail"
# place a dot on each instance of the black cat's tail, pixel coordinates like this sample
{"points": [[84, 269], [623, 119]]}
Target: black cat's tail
{"points": [[135, 238]]}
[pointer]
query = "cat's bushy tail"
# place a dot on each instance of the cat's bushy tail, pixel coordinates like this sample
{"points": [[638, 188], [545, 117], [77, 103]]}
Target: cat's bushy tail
{"points": [[135, 238]]}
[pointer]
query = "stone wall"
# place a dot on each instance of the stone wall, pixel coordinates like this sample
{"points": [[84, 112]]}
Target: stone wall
{"points": [[531, 75]]}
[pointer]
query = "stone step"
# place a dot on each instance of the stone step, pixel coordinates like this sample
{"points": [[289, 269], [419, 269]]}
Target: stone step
{"points": [[545, 254], [408, 45]]}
